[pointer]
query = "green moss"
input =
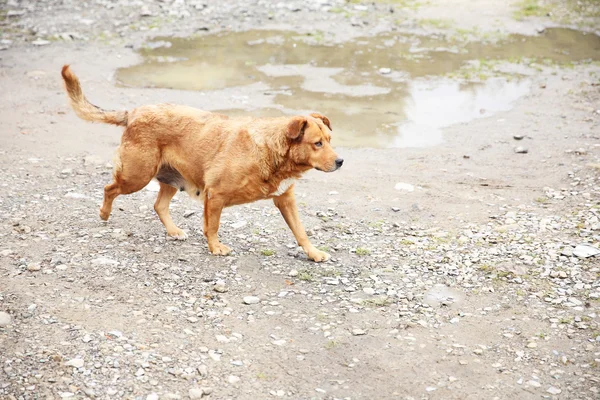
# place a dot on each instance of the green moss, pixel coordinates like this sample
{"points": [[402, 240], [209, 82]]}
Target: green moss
{"points": [[436, 23], [529, 8], [362, 251], [305, 275]]}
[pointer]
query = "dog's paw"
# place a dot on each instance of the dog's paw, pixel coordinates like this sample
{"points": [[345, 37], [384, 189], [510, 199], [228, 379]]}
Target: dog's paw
{"points": [[317, 255], [104, 215], [177, 235], [219, 249]]}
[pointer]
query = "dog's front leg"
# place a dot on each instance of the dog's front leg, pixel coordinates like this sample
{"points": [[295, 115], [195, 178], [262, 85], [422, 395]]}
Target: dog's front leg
{"points": [[286, 203], [213, 205]]}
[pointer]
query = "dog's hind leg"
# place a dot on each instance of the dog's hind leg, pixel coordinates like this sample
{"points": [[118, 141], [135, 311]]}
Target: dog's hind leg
{"points": [[134, 170], [161, 207]]}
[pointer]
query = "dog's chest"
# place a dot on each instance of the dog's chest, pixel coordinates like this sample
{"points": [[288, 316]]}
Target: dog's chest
{"points": [[284, 185]]}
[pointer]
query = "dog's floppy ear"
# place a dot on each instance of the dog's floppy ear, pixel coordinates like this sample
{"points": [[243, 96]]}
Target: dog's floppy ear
{"points": [[295, 128], [322, 118]]}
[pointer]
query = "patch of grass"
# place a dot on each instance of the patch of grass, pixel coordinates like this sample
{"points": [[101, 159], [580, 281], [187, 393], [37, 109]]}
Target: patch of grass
{"points": [[330, 272], [486, 268], [436, 23], [324, 248], [306, 276], [361, 251], [566, 320], [331, 344], [262, 376], [377, 302], [267, 252], [529, 8]]}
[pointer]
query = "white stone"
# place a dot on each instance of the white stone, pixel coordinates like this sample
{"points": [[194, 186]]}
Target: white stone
{"points": [[404, 186], [75, 362], [251, 300], [4, 319]]}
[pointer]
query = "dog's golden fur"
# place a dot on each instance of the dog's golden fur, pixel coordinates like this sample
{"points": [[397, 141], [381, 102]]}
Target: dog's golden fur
{"points": [[222, 161]]}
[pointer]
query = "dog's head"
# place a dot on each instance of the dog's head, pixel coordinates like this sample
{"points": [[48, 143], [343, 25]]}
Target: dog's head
{"points": [[310, 143]]}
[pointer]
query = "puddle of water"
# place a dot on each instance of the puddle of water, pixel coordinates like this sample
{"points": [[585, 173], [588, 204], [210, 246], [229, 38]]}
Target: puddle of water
{"points": [[443, 295], [383, 91]]}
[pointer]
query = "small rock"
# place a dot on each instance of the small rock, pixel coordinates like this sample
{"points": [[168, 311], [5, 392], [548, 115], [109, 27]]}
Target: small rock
{"points": [[4, 318], [220, 288], [293, 273], [585, 251], [188, 213], [15, 13], [196, 393], [233, 379], [521, 150], [532, 345], [534, 383], [33, 267], [152, 396], [518, 137], [385, 71], [75, 362], [358, 332], [40, 42], [553, 390], [203, 370], [251, 300], [404, 186]]}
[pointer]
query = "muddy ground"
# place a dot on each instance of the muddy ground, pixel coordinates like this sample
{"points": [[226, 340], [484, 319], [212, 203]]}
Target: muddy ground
{"points": [[466, 281]]}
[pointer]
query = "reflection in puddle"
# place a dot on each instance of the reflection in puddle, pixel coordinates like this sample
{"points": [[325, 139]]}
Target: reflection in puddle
{"points": [[379, 91], [432, 105]]}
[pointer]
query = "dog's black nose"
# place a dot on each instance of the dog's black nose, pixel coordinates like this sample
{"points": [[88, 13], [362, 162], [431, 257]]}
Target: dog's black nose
{"points": [[339, 162]]}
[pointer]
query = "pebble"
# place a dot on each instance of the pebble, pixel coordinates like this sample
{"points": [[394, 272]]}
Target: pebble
{"points": [[385, 71], [293, 273], [407, 187], [203, 370], [5, 318], [534, 383], [40, 42], [152, 396], [220, 288], [553, 390], [251, 300], [233, 379], [518, 137], [33, 267], [369, 291], [75, 362], [521, 150], [196, 393], [358, 332]]}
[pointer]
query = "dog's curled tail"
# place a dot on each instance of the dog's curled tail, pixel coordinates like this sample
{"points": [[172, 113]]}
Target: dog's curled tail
{"points": [[86, 110]]}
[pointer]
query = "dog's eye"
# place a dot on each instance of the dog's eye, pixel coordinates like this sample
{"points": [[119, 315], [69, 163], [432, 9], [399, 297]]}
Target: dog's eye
{"points": [[319, 144]]}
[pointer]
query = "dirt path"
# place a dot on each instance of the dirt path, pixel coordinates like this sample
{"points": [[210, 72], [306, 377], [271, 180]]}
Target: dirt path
{"points": [[467, 287]]}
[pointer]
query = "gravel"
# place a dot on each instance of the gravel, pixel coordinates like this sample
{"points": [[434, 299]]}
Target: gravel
{"points": [[508, 302]]}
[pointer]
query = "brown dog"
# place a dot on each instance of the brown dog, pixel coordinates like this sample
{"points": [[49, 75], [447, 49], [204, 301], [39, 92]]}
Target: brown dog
{"points": [[222, 161]]}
